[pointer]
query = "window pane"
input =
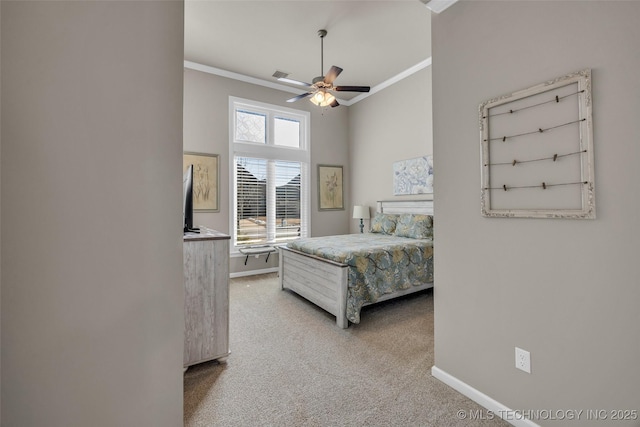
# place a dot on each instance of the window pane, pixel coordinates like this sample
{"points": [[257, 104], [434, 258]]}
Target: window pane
{"points": [[251, 126], [270, 155], [287, 200], [286, 132], [252, 201]]}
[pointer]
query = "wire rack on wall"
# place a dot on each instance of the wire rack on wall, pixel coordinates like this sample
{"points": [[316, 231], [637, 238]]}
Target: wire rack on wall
{"points": [[537, 151]]}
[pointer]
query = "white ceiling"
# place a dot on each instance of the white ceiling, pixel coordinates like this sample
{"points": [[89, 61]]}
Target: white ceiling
{"points": [[373, 41]]}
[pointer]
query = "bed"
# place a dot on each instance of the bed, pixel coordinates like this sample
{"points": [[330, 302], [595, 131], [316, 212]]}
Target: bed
{"points": [[340, 275]]}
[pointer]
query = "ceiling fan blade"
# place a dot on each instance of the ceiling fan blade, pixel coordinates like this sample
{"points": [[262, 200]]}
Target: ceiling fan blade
{"points": [[283, 77], [332, 74], [352, 88], [294, 82], [295, 98], [334, 103]]}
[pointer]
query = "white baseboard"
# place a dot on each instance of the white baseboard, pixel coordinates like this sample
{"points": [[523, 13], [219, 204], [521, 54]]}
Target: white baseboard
{"points": [[482, 399], [253, 272]]}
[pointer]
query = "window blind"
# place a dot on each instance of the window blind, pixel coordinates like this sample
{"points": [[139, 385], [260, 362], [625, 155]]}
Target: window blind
{"points": [[268, 200], [251, 210]]}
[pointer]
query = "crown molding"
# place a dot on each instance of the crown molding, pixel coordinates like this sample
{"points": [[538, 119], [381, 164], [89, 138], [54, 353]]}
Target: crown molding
{"points": [[395, 79], [237, 76], [438, 6], [247, 79]]}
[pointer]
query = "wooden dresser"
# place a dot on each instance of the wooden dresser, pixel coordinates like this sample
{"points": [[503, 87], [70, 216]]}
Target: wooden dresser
{"points": [[206, 296]]}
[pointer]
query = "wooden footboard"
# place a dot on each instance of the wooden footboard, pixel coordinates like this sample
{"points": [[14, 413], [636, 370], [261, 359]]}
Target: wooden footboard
{"points": [[321, 281], [324, 282]]}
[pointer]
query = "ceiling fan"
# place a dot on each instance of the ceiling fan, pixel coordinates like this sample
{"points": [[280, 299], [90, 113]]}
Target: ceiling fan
{"points": [[322, 86]]}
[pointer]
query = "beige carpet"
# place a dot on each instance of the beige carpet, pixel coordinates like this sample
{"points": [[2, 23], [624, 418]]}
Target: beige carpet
{"points": [[290, 365]]}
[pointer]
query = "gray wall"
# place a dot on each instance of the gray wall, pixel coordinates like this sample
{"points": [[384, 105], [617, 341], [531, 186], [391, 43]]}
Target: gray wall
{"points": [[565, 290], [0, 213], [206, 130], [92, 304], [391, 125]]}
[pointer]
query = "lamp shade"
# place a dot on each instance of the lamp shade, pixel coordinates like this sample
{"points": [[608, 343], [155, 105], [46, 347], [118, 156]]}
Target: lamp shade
{"points": [[322, 98], [361, 212]]}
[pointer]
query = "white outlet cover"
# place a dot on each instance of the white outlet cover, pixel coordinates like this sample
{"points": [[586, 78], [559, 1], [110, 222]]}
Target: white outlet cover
{"points": [[523, 360]]}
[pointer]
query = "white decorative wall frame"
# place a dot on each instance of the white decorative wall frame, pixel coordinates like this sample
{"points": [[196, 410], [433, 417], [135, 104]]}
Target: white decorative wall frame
{"points": [[537, 151]]}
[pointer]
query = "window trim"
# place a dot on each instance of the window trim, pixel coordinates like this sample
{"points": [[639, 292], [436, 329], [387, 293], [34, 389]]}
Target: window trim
{"points": [[269, 150]]}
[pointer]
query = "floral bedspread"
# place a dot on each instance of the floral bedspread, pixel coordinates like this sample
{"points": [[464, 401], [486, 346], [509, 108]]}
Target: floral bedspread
{"points": [[378, 264]]}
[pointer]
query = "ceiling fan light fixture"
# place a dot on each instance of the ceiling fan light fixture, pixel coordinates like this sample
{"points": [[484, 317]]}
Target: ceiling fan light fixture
{"points": [[319, 90], [322, 98]]}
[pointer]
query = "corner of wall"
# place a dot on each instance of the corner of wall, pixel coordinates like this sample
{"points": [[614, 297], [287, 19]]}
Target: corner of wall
{"points": [[0, 215], [380, 136]]}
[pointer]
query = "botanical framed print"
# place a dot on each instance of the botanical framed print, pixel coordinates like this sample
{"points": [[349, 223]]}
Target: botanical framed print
{"points": [[330, 185], [205, 180]]}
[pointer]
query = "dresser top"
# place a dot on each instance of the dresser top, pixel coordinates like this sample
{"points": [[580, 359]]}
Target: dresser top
{"points": [[205, 234]]}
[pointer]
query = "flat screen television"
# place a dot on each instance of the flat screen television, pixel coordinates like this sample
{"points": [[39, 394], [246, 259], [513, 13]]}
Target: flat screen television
{"points": [[187, 201]]}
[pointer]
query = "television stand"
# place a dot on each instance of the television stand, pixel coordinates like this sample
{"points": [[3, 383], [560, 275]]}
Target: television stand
{"points": [[206, 296], [191, 230]]}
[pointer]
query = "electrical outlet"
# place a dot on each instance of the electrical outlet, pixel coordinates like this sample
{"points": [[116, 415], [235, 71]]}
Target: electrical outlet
{"points": [[523, 360]]}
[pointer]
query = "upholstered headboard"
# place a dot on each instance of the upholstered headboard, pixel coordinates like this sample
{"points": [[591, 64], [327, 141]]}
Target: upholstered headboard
{"points": [[424, 207]]}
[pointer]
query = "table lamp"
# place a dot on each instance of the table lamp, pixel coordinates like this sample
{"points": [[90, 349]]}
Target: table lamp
{"points": [[361, 212]]}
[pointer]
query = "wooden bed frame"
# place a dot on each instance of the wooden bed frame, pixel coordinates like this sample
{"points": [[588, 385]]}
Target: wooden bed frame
{"points": [[324, 282]]}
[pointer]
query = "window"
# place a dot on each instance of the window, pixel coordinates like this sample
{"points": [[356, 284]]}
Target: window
{"points": [[269, 148]]}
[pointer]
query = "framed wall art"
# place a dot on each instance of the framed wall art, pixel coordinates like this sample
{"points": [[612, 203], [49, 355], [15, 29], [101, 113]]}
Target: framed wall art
{"points": [[537, 151], [413, 176], [330, 186], [205, 180]]}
